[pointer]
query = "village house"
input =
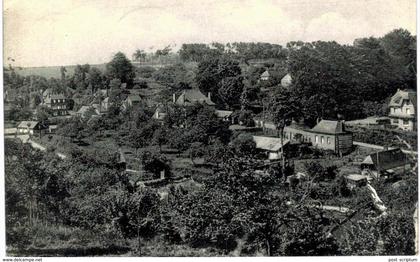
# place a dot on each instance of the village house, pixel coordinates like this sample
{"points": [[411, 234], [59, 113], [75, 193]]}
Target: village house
{"points": [[265, 76], [402, 110], [286, 81], [131, 101], [189, 97], [29, 127], [104, 105], [386, 162], [160, 112], [326, 135], [57, 102], [87, 112], [270, 145]]}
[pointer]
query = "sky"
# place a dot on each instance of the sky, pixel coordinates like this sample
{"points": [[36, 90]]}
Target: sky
{"points": [[67, 32]]}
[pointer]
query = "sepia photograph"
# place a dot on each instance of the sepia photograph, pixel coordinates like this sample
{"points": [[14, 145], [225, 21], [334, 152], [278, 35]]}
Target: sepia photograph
{"points": [[209, 128]]}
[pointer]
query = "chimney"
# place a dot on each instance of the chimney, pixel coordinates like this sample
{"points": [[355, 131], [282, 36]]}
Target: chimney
{"points": [[173, 98], [209, 95]]}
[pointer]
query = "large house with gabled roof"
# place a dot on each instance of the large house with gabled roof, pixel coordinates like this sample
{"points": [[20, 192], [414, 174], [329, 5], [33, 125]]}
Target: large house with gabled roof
{"points": [[403, 108], [57, 102], [189, 97], [326, 135]]}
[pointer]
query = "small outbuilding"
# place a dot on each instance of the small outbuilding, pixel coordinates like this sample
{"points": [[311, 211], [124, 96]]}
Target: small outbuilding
{"points": [[270, 145], [392, 161]]}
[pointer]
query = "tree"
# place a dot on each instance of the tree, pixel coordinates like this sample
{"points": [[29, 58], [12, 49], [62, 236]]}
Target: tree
{"points": [[246, 118], [115, 92], [160, 137], [121, 68], [155, 163], [139, 55], [211, 72], [230, 91], [95, 79], [401, 46], [243, 145], [283, 107], [196, 150]]}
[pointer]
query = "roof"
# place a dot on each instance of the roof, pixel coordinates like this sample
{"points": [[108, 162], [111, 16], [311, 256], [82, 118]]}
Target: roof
{"points": [[160, 112], [223, 113], [134, 98], [329, 127], [286, 81], [387, 159], [398, 98], [193, 96], [57, 96], [84, 109], [30, 124], [269, 143], [356, 177], [265, 74]]}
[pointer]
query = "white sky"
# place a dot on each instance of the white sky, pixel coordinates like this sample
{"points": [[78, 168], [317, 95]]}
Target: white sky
{"points": [[64, 32]]}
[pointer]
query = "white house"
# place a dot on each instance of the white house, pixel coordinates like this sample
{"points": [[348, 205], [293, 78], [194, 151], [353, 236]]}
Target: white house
{"points": [[402, 109]]}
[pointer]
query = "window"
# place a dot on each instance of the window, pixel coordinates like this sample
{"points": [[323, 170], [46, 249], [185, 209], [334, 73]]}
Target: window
{"points": [[316, 139], [322, 140], [328, 140], [405, 122], [395, 121], [407, 111]]}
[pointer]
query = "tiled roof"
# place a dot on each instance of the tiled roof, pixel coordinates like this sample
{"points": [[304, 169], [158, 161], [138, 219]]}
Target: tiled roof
{"points": [[193, 96], [329, 127]]}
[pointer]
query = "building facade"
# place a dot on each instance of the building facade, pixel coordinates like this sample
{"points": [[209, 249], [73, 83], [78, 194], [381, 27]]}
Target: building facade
{"points": [[58, 103], [326, 135], [402, 110]]}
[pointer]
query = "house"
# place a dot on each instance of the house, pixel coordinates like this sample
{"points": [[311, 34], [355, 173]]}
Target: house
{"points": [[326, 135], [104, 105], [86, 112], [189, 97], [57, 102], [286, 81], [132, 100], [160, 112], [270, 145], [265, 76], [392, 161], [225, 115], [29, 127], [402, 109]]}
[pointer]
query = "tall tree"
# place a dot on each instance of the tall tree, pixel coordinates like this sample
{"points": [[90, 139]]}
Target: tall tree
{"points": [[283, 108], [121, 68]]}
